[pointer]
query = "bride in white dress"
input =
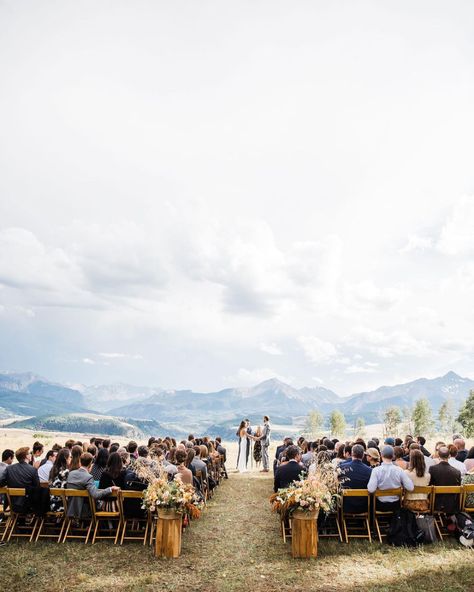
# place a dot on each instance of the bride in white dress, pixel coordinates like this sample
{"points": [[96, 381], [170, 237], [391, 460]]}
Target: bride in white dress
{"points": [[242, 458]]}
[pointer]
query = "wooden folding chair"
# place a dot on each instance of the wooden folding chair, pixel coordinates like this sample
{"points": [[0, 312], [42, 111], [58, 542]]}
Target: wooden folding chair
{"points": [[382, 518], [76, 528], [439, 514], [363, 518], [139, 526], [203, 485], [6, 514], [329, 525], [109, 517], [17, 529], [53, 521], [468, 504], [427, 490]]}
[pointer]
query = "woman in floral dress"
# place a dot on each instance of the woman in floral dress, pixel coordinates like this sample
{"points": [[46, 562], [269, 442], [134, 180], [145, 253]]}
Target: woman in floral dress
{"points": [[257, 448], [58, 477]]}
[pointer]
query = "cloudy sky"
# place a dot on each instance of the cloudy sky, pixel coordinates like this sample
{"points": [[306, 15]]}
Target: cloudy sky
{"points": [[209, 194]]}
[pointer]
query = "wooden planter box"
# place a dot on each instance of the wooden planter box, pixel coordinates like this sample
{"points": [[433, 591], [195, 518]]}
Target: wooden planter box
{"points": [[304, 534], [168, 533]]}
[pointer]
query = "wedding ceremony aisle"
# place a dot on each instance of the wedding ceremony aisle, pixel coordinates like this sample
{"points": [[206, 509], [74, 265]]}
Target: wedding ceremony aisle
{"points": [[235, 546]]}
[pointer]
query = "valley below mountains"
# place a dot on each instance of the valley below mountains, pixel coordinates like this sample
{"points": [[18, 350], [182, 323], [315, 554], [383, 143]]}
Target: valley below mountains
{"points": [[132, 411]]}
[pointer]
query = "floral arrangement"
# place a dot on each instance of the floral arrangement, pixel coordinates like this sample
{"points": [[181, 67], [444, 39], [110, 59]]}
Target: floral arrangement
{"points": [[174, 495], [320, 490]]}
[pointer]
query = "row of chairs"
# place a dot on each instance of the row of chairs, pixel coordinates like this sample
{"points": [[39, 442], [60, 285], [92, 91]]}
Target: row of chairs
{"points": [[60, 527], [115, 521], [346, 525]]}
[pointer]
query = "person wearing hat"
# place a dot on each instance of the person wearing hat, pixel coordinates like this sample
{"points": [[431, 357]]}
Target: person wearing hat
{"points": [[389, 441], [373, 457], [388, 476]]}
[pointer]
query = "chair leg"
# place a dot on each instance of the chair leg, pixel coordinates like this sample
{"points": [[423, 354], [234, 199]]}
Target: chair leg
{"points": [[368, 529], [119, 530], [62, 530], [346, 536], [68, 526], [124, 528], [339, 529], [378, 529], [39, 530], [145, 539], [12, 527], [88, 532], [96, 528]]}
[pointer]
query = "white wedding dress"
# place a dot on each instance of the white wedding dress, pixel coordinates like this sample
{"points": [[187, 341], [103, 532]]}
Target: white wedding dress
{"points": [[242, 464]]}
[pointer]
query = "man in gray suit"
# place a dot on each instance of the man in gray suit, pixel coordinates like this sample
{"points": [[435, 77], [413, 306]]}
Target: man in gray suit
{"points": [[78, 507], [265, 440]]}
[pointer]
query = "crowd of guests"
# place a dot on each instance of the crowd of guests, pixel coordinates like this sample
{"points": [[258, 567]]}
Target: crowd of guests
{"points": [[102, 467], [375, 465]]}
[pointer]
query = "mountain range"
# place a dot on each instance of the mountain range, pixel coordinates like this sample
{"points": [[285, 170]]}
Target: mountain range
{"points": [[26, 394]]}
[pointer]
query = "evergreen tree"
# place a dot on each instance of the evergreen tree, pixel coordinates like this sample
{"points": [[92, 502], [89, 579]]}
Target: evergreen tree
{"points": [[337, 424], [466, 415], [314, 424], [392, 419], [422, 417], [446, 418], [359, 428]]}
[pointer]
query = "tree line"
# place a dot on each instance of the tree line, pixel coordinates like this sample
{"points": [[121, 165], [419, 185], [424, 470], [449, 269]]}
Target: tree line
{"points": [[417, 420]]}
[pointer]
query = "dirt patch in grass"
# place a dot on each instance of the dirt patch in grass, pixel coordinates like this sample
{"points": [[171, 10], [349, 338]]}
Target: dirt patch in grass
{"points": [[236, 546]]}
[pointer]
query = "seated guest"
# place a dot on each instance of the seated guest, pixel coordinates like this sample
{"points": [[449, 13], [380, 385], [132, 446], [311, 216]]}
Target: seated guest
{"points": [[114, 473], [21, 475], [223, 453], [286, 442], [58, 477], [420, 476], [183, 473], [388, 476], [372, 457], [198, 463], [468, 479], [461, 446], [444, 474], [81, 478], [37, 454], [422, 441], [308, 456], [100, 463], [44, 469], [76, 452], [457, 464], [355, 475], [7, 459], [469, 462], [398, 455], [289, 472], [132, 449]]}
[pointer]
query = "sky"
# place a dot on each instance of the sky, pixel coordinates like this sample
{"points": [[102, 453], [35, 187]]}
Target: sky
{"points": [[209, 194]]}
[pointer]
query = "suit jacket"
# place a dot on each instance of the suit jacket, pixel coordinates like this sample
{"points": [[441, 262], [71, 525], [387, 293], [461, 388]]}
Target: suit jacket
{"points": [[265, 439], [20, 475], [355, 475], [461, 455], [78, 507], [444, 474], [286, 474]]}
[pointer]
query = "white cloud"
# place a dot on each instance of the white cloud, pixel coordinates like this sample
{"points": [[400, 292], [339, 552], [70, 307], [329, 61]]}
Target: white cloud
{"points": [[417, 243], [88, 361], [251, 377], [271, 348], [356, 369], [457, 234], [116, 355], [317, 350]]}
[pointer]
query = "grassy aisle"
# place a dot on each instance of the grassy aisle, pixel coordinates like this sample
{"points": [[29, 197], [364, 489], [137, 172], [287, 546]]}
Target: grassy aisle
{"points": [[236, 546]]}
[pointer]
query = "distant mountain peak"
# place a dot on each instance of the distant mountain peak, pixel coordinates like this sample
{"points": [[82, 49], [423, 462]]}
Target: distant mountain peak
{"points": [[452, 376]]}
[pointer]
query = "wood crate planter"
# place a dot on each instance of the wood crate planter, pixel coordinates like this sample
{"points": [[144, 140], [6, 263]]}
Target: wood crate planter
{"points": [[168, 533], [304, 539]]}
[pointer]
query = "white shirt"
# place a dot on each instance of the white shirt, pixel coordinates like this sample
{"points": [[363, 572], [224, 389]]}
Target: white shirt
{"points": [[44, 471], [457, 464]]}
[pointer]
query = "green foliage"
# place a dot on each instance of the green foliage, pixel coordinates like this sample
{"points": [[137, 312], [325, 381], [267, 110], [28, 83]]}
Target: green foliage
{"points": [[392, 419], [466, 415], [446, 418], [337, 424], [359, 428], [314, 424], [422, 417]]}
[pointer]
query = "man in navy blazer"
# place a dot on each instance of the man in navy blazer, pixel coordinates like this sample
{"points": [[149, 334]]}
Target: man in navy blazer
{"points": [[355, 475], [290, 471]]}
